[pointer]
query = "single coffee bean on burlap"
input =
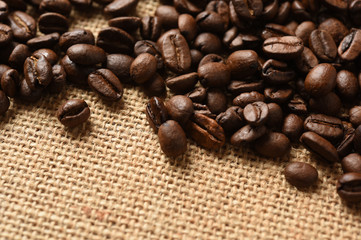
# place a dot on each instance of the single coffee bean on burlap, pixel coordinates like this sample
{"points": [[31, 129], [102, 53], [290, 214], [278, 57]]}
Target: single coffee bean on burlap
{"points": [[349, 187], [301, 174], [172, 139], [292, 127], [156, 113], [73, 112]]}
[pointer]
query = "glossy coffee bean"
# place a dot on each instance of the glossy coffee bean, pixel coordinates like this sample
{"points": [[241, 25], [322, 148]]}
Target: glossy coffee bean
{"points": [[351, 163], [231, 120], [208, 43], [321, 80], [273, 144], [44, 41], [120, 64], [73, 112], [323, 45], [209, 21], [180, 108], [248, 134], [346, 145], [243, 63], [155, 86], [328, 127], [301, 174], [143, 68], [306, 61], [222, 8], [354, 9], [275, 116], [22, 25], [214, 74], [276, 30], [355, 115], [76, 73], [167, 15], [189, 6], [9, 82], [156, 113], [248, 10], [129, 24], [150, 28], [53, 22], [76, 36], [330, 104], [347, 85], [350, 47], [183, 83], [18, 56], [146, 46], [349, 187], [120, 7], [283, 48], [4, 103], [37, 71], [212, 57], [187, 26], [172, 139], [304, 30], [335, 28], [59, 79], [86, 54], [292, 127], [28, 95], [197, 95], [256, 113], [248, 97], [216, 100], [106, 84], [115, 40], [59, 6], [200, 108], [238, 87], [49, 54], [276, 72], [6, 34]]}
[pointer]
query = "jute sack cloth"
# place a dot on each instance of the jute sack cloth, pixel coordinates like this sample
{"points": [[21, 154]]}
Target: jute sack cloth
{"points": [[109, 180]]}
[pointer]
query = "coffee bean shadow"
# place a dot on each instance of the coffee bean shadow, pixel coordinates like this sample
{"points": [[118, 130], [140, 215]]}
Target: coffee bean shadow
{"points": [[352, 208], [315, 188], [78, 132]]}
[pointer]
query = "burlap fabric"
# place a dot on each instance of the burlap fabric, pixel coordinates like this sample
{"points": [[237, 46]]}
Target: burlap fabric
{"points": [[109, 180]]}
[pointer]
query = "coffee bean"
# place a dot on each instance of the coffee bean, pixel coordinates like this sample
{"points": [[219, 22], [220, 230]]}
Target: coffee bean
{"points": [[187, 26], [18, 56], [216, 100], [6, 34], [357, 140], [323, 45], [248, 97], [278, 95], [283, 12], [292, 127], [27, 94], [183, 83], [256, 113], [231, 120], [319, 146], [350, 47], [77, 74], [321, 80], [52, 22], [303, 31], [155, 86], [176, 53], [276, 72], [86, 54], [204, 110], [198, 94], [146, 46], [347, 84], [273, 144], [77, 36], [283, 48], [210, 58], [156, 113], [208, 43], [129, 24], [59, 6], [329, 104], [354, 10], [4, 103], [172, 139], [206, 132], [351, 163], [180, 108], [222, 8], [297, 105], [355, 115], [276, 30], [238, 87], [150, 28], [143, 68], [214, 74], [248, 134], [59, 79], [3, 69], [248, 10], [189, 6], [167, 15], [301, 174], [120, 64], [37, 71], [349, 187], [4, 10], [49, 54], [346, 145], [328, 127], [9, 82], [243, 63], [44, 41], [209, 21], [120, 7], [106, 84], [73, 112], [22, 25], [275, 116], [306, 61], [115, 40], [335, 28]]}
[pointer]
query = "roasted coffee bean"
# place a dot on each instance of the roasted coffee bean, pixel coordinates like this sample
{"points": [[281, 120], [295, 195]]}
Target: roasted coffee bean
{"points": [[276, 72], [216, 100], [22, 25], [120, 7], [292, 127], [321, 80], [59, 6], [9, 82], [143, 68], [328, 127], [183, 83], [172, 139], [129, 24], [335, 28], [77, 74], [222, 8], [198, 95], [214, 74], [206, 132], [180, 108], [204, 110], [283, 12], [211, 58], [59, 79], [350, 47], [27, 94], [4, 10], [273, 144], [238, 87], [355, 115], [106, 84], [248, 10], [236, 21], [156, 113], [354, 10], [4, 103], [189, 6], [37, 71], [275, 116], [44, 41], [3, 69], [301, 174], [209, 21], [77, 36], [323, 45], [248, 97], [49, 54], [18, 56], [278, 95], [349, 187], [248, 134], [303, 31], [150, 28], [306, 61], [167, 15], [208, 43], [187, 26], [86, 54], [297, 105], [319, 146], [256, 113], [346, 145], [276, 30], [176, 53], [115, 40], [299, 11], [347, 85], [81, 4], [243, 63], [155, 86], [351, 163], [146, 46], [329, 104], [231, 120], [120, 64], [6, 34], [283, 48], [53, 22], [73, 112]]}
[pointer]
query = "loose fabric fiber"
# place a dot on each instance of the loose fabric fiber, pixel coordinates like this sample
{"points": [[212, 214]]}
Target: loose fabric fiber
{"points": [[108, 179]]}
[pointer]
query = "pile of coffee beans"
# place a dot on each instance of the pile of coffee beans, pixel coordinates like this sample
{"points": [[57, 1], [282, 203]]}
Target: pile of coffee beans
{"points": [[257, 73]]}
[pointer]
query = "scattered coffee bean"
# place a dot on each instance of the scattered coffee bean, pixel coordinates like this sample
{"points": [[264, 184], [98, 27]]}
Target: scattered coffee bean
{"points": [[172, 139], [156, 113], [272, 144], [349, 187], [77, 36], [351, 163], [86, 54], [180, 108], [73, 112], [106, 84], [37, 71], [301, 174]]}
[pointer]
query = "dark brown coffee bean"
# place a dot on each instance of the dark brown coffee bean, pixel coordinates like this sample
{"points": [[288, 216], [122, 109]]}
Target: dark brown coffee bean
{"points": [[351, 163], [150, 28], [172, 139], [323, 45], [37, 71], [4, 10], [81, 4], [275, 116], [328, 127], [297, 105], [211, 58], [206, 132], [350, 47], [238, 87], [278, 95], [222, 8], [243, 63], [214, 74], [204, 110], [77, 74], [146, 46], [283, 48], [347, 85], [27, 94], [176, 53], [59, 79], [306, 61], [335, 28], [44, 41], [256, 113], [129, 24], [197, 95], [156, 113], [283, 12], [276, 72], [53, 22], [59, 6], [247, 134], [321, 80], [9, 82], [349, 187], [183, 83], [167, 15], [143, 68], [301, 174], [231, 120], [49, 54], [299, 11], [346, 145], [273, 144], [22, 25], [276, 30], [292, 127], [187, 26], [3, 69], [106, 84], [77, 36], [216, 100], [6, 34], [73, 112], [155, 86], [120, 7], [4, 103], [208, 43], [355, 115], [120, 64], [248, 10], [86, 54], [180, 108], [248, 97], [18, 56], [303, 31], [329, 104], [270, 10], [209, 21], [319, 146], [115, 40], [189, 6]]}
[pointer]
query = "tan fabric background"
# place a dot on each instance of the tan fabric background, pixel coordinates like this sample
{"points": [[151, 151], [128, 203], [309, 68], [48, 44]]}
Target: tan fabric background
{"points": [[109, 180]]}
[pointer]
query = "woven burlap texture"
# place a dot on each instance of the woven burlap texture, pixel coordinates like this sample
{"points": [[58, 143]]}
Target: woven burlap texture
{"points": [[109, 180]]}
